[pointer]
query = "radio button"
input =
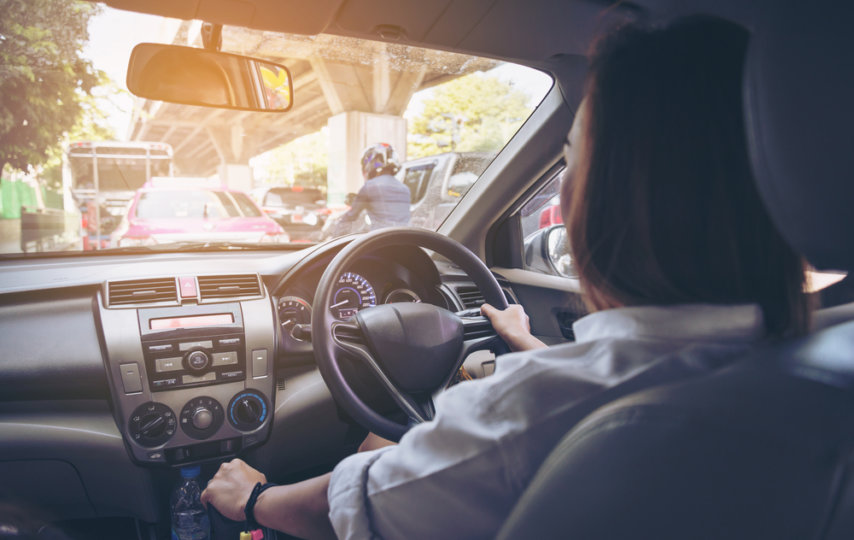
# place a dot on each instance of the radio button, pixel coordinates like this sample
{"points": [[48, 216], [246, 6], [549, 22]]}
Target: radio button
{"points": [[231, 375], [224, 358], [198, 360], [187, 345], [189, 379], [163, 365], [228, 342], [163, 347]]}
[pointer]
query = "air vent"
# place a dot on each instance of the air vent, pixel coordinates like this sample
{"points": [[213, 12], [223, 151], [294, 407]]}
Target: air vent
{"points": [[212, 287], [142, 291], [470, 296]]}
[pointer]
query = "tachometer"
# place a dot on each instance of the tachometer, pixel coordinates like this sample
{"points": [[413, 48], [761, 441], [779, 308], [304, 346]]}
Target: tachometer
{"points": [[293, 310], [352, 294]]}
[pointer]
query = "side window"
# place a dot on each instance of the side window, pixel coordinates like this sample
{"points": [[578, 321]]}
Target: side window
{"points": [[245, 203], [545, 246], [230, 208], [459, 184], [416, 179], [466, 170], [273, 199]]}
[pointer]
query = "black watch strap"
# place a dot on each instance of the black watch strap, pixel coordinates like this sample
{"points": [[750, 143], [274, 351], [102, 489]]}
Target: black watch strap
{"points": [[249, 510]]}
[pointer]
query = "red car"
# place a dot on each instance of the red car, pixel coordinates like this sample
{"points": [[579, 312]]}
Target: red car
{"points": [[174, 211]]}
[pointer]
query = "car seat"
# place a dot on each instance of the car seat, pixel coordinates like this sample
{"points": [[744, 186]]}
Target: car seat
{"points": [[765, 447]]}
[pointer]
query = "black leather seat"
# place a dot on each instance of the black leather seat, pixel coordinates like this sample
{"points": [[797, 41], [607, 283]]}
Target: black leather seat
{"points": [[764, 448]]}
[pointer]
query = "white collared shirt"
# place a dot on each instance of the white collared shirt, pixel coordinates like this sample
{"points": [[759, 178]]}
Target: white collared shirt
{"points": [[459, 475]]}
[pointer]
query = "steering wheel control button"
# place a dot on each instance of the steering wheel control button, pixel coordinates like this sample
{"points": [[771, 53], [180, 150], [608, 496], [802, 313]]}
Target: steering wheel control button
{"points": [[201, 417], [187, 345], [151, 424], [259, 363], [198, 360], [190, 379], [247, 410], [130, 378], [164, 365], [224, 358]]}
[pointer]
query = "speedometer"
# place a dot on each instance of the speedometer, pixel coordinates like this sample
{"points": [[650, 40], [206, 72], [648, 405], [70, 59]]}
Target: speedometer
{"points": [[353, 293]]}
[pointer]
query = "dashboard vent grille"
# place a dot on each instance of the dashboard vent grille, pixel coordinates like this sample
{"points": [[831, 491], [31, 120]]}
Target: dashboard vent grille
{"points": [[211, 287], [471, 297], [142, 291]]}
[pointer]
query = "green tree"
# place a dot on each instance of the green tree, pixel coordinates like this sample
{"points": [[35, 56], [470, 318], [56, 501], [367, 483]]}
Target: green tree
{"points": [[475, 112], [43, 78], [92, 125]]}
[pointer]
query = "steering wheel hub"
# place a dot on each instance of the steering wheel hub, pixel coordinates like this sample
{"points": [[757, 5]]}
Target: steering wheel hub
{"points": [[415, 344]]}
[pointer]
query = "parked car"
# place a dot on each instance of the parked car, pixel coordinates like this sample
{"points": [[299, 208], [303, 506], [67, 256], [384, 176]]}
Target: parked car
{"points": [[173, 211], [301, 211]]}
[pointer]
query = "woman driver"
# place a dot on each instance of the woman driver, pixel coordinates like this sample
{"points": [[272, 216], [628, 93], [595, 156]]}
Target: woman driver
{"points": [[680, 267]]}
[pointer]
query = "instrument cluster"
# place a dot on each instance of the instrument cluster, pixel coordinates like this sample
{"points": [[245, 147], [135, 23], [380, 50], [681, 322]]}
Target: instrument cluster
{"points": [[353, 293]]}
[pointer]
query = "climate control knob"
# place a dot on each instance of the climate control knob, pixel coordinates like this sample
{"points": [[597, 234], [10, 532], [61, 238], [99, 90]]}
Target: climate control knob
{"points": [[201, 417], [248, 410], [151, 424]]}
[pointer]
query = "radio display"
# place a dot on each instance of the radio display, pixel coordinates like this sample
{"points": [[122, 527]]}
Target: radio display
{"points": [[191, 321]]}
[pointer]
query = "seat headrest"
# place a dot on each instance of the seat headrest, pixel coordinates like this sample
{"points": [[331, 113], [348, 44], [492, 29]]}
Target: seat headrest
{"points": [[799, 111]]}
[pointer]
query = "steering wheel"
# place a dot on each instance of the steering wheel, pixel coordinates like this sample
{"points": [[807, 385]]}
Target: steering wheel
{"points": [[414, 349]]}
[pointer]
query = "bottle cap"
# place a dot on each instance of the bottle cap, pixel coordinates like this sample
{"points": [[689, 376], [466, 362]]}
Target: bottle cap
{"points": [[190, 472]]}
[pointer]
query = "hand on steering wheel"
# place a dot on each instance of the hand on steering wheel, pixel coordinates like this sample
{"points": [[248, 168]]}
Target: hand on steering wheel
{"points": [[416, 349]]}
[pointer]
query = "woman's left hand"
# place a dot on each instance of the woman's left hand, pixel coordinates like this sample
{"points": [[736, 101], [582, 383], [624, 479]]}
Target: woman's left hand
{"points": [[230, 488]]}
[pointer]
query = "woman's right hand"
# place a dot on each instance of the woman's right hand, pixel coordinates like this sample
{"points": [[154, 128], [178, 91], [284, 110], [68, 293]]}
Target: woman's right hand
{"points": [[513, 326]]}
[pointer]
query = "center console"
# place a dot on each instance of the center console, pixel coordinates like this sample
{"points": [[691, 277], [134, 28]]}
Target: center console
{"points": [[189, 360]]}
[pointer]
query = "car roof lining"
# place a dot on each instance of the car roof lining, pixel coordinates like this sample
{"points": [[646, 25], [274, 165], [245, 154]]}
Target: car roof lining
{"points": [[494, 28]]}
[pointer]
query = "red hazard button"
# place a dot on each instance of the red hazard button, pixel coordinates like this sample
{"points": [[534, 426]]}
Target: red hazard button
{"points": [[188, 287]]}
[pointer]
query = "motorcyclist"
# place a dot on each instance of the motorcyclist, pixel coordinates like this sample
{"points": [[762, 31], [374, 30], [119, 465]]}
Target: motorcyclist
{"points": [[383, 197]]}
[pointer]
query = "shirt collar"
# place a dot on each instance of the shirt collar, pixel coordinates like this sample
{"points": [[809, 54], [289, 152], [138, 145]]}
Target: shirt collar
{"points": [[700, 322]]}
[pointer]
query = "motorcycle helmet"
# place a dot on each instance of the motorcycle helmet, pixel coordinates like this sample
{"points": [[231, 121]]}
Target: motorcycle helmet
{"points": [[379, 159]]}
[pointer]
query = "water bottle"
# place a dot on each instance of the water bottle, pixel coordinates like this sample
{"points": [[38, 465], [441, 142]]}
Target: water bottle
{"points": [[189, 516]]}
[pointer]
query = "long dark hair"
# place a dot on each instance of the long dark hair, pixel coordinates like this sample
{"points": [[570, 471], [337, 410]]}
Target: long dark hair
{"points": [[663, 208]]}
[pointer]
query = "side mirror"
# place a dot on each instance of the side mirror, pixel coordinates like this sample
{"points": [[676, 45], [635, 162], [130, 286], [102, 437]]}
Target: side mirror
{"points": [[208, 78], [547, 250]]}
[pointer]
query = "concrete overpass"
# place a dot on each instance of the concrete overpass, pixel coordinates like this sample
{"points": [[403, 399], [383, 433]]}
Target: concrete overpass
{"points": [[358, 89]]}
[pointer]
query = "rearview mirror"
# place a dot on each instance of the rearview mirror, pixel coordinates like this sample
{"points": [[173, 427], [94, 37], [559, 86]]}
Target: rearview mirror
{"points": [[208, 78]]}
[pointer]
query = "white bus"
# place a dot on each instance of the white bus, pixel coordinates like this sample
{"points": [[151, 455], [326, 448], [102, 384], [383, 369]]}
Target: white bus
{"points": [[103, 177]]}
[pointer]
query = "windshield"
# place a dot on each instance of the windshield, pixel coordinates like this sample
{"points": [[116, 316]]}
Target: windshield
{"points": [[80, 156]]}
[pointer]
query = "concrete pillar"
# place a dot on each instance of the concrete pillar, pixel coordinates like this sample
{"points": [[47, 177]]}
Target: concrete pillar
{"points": [[349, 134], [235, 176]]}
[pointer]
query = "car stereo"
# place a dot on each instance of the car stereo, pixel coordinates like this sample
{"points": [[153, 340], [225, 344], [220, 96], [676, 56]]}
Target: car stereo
{"points": [[192, 348], [191, 382]]}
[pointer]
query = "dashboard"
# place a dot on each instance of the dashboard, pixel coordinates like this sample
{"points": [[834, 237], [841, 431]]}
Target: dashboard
{"points": [[123, 367]]}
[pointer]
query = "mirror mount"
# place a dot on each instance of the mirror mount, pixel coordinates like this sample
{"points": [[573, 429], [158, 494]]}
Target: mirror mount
{"points": [[212, 36]]}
